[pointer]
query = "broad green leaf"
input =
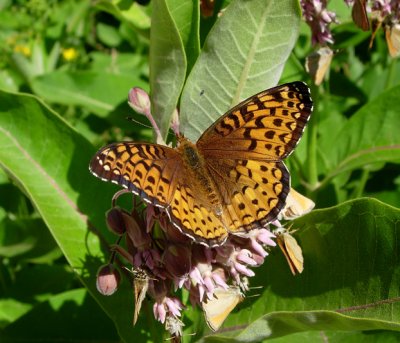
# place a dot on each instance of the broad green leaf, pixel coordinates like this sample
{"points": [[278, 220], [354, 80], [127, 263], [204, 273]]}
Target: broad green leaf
{"points": [[370, 136], [186, 15], [244, 54], [49, 162], [168, 64], [349, 283], [70, 316], [101, 93], [340, 337]]}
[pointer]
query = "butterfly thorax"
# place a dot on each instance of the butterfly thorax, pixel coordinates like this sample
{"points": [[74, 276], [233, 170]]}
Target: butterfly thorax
{"points": [[196, 169]]}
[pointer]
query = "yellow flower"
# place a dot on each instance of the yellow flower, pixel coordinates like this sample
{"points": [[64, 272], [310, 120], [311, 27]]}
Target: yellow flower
{"points": [[69, 54], [23, 49]]}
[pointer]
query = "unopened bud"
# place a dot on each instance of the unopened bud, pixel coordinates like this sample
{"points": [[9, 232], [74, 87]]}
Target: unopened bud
{"points": [[139, 100], [175, 124], [108, 279], [115, 221]]}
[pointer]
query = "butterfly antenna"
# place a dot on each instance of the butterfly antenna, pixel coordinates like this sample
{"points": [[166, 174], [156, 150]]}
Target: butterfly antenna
{"points": [[138, 122], [253, 295]]}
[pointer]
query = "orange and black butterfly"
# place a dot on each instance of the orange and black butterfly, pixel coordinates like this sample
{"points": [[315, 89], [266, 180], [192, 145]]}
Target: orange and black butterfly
{"points": [[231, 180]]}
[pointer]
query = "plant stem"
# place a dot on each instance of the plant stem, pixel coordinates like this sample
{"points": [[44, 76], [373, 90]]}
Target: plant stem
{"points": [[391, 73], [312, 143], [359, 190]]}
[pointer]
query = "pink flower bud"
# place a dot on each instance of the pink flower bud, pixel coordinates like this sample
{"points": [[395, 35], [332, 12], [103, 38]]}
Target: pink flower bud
{"points": [[175, 122], [115, 221], [139, 100], [108, 279]]}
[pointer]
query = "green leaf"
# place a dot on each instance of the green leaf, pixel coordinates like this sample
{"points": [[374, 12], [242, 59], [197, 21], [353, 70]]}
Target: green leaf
{"points": [[350, 278], [186, 15], [340, 337], [49, 161], [8, 81], [11, 310], [70, 316], [370, 136], [108, 35], [133, 14], [167, 64], [28, 239], [101, 93], [244, 54]]}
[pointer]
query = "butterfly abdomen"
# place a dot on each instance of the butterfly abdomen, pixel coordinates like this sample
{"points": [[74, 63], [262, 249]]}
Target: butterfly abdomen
{"points": [[195, 165]]}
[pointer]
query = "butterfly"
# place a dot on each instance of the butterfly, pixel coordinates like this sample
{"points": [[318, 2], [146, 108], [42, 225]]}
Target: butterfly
{"points": [[217, 309], [359, 14], [296, 206], [392, 34], [318, 63], [140, 285], [231, 180], [291, 250]]}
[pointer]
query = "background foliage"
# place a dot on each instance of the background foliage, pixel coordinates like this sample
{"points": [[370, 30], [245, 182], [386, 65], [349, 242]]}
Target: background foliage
{"points": [[66, 69]]}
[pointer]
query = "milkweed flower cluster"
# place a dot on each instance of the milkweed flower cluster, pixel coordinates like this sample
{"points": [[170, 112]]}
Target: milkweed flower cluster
{"points": [[388, 10], [172, 261], [319, 19]]}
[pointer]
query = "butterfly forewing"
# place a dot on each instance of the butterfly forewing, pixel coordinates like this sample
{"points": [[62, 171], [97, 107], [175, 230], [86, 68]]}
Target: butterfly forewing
{"points": [[266, 126], [147, 170]]}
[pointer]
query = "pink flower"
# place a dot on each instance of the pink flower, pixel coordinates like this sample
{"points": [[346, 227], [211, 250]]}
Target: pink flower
{"points": [[167, 306], [318, 18], [389, 10]]}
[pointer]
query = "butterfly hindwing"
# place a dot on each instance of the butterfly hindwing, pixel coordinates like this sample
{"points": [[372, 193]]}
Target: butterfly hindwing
{"points": [[254, 192], [194, 217]]}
